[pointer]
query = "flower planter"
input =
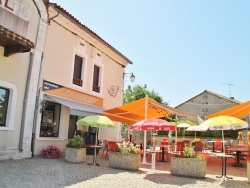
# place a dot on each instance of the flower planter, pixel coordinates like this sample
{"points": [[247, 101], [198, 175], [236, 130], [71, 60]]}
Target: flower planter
{"points": [[248, 170], [75, 155], [188, 167], [126, 161]]}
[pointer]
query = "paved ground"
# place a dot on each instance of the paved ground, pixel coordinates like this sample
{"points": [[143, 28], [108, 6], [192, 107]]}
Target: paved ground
{"points": [[38, 172]]}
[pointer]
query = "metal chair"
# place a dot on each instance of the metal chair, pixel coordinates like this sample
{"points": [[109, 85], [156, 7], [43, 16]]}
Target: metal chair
{"points": [[104, 146]]}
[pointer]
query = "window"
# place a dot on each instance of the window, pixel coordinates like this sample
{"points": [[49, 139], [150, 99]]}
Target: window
{"points": [[4, 99], [50, 120], [77, 77], [96, 79]]}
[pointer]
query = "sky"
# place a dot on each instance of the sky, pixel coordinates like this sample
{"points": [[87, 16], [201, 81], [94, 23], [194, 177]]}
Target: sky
{"points": [[179, 48]]}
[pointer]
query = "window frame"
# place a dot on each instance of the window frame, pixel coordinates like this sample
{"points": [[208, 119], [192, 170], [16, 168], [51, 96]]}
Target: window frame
{"points": [[5, 107], [12, 105], [79, 61], [52, 113], [96, 79]]}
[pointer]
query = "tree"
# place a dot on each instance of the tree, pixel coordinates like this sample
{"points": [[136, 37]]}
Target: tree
{"points": [[138, 92]]}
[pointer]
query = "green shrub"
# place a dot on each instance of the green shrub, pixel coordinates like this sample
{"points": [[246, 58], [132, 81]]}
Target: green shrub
{"points": [[76, 142]]}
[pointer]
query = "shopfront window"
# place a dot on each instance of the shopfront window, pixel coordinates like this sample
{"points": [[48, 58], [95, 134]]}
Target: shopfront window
{"points": [[4, 98], [50, 120]]}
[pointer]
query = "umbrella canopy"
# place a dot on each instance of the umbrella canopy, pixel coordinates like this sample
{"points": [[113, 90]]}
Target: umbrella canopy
{"points": [[224, 123], [183, 125], [96, 121], [153, 124], [197, 128]]}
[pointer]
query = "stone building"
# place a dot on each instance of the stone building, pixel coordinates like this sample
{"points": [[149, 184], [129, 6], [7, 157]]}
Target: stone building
{"points": [[206, 103]]}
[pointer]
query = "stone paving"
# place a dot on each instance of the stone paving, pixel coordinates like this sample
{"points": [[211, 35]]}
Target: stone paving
{"points": [[52, 173]]}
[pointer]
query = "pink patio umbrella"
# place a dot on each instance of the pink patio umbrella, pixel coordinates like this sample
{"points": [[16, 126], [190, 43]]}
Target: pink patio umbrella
{"points": [[152, 124]]}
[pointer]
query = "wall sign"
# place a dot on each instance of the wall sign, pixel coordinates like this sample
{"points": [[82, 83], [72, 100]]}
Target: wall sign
{"points": [[113, 90], [16, 8], [68, 93]]}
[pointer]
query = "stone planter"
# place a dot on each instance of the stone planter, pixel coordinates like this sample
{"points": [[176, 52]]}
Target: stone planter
{"points": [[189, 167], [248, 170], [75, 155], [126, 161]]}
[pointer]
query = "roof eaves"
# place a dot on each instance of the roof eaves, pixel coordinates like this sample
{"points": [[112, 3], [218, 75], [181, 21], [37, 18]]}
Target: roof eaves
{"points": [[235, 101], [88, 30]]}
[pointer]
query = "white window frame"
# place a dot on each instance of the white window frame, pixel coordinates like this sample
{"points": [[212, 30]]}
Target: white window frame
{"points": [[11, 111], [80, 51]]}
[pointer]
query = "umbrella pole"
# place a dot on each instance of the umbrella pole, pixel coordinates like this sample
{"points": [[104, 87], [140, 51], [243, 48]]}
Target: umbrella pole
{"points": [[96, 136], [223, 141], [144, 149], [145, 132]]}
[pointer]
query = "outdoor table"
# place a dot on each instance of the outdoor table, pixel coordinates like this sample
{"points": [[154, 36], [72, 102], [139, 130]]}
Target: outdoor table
{"points": [[222, 145], [224, 166], [212, 141], [163, 152], [238, 150], [153, 153], [95, 154]]}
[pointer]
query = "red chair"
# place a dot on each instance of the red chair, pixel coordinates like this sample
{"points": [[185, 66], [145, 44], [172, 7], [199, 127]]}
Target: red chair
{"points": [[111, 146], [198, 147], [217, 144], [180, 147]]}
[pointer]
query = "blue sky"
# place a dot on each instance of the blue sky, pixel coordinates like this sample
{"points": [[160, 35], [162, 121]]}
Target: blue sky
{"points": [[179, 48]]}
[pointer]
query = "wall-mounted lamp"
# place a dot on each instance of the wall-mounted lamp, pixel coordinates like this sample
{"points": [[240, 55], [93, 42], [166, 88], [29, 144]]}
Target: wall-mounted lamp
{"points": [[132, 77]]}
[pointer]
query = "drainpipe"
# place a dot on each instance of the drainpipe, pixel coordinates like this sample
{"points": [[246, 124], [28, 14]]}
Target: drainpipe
{"points": [[20, 146], [36, 107]]}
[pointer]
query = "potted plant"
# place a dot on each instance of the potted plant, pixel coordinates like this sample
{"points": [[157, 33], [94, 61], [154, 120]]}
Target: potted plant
{"points": [[248, 162], [75, 152], [51, 152], [125, 157], [189, 164]]}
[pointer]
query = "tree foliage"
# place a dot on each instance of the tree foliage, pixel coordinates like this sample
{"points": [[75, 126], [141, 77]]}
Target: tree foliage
{"points": [[140, 91]]}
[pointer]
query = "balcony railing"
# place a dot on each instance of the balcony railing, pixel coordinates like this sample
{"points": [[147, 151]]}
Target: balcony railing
{"points": [[77, 81], [96, 89]]}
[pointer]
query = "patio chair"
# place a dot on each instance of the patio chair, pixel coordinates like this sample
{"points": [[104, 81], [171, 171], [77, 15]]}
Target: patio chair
{"points": [[218, 144], [111, 146], [104, 146], [198, 147], [180, 148]]}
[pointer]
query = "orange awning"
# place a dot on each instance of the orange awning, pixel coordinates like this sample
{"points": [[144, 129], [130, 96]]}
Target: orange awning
{"points": [[143, 109], [240, 111]]}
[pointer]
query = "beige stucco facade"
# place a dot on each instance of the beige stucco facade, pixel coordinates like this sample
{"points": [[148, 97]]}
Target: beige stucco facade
{"points": [[66, 39], [29, 25]]}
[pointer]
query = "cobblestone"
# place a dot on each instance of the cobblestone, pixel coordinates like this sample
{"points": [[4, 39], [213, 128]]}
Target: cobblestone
{"points": [[54, 173]]}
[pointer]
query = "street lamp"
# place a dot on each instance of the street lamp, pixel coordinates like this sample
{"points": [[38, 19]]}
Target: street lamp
{"points": [[132, 77]]}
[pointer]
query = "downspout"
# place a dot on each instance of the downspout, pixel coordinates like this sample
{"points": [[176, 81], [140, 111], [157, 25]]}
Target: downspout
{"points": [[20, 146], [36, 108]]}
